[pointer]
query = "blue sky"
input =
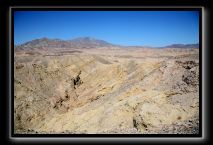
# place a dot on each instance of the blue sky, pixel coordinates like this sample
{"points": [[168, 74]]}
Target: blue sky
{"points": [[148, 28]]}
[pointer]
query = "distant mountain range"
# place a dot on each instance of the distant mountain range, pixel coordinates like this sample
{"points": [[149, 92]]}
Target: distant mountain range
{"points": [[182, 46], [82, 42]]}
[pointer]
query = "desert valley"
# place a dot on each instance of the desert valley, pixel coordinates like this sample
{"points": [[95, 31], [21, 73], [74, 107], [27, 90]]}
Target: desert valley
{"points": [[89, 86]]}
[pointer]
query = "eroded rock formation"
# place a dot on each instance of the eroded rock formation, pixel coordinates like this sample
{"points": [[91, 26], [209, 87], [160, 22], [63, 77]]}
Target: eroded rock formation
{"points": [[107, 91]]}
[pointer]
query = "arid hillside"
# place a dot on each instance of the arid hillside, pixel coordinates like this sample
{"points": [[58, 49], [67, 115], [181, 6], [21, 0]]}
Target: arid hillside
{"points": [[106, 90]]}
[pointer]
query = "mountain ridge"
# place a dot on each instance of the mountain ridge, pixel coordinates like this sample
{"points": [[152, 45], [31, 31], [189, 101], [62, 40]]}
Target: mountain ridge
{"points": [[84, 42], [182, 46], [80, 42]]}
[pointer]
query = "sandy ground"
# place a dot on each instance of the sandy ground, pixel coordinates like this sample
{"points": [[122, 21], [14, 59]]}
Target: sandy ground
{"points": [[107, 90]]}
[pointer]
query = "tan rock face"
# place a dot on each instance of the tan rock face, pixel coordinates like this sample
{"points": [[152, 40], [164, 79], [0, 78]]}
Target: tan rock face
{"points": [[106, 91]]}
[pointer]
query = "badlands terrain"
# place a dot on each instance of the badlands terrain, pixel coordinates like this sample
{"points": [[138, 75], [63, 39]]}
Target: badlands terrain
{"points": [[105, 89]]}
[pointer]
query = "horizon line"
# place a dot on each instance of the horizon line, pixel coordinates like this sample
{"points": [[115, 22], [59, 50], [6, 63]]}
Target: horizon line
{"points": [[44, 37]]}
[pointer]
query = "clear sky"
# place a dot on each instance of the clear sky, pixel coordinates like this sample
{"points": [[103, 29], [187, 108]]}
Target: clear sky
{"points": [[148, 28]]}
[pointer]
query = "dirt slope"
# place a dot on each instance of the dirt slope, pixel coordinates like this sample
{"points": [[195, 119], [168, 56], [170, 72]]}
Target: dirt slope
{"points": [[107, 91]]}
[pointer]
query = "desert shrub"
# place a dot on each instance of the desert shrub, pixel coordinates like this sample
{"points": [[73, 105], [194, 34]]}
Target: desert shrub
{"points": [[19, 66]]}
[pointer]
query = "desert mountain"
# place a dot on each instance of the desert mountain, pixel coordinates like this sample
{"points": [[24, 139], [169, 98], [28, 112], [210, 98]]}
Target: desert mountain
{"points": [[88, 42], [183, 46], [44, 42], [81, 42]]}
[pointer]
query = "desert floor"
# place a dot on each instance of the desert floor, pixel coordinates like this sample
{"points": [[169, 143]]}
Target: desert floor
{"points": [[107, 90]]}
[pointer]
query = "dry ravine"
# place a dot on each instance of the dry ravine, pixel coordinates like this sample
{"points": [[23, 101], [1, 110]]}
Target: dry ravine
{"points": [[107, 90]]}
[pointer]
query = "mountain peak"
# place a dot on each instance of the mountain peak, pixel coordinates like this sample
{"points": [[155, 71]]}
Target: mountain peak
{"points": [[80, 42], [89, 42]]}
